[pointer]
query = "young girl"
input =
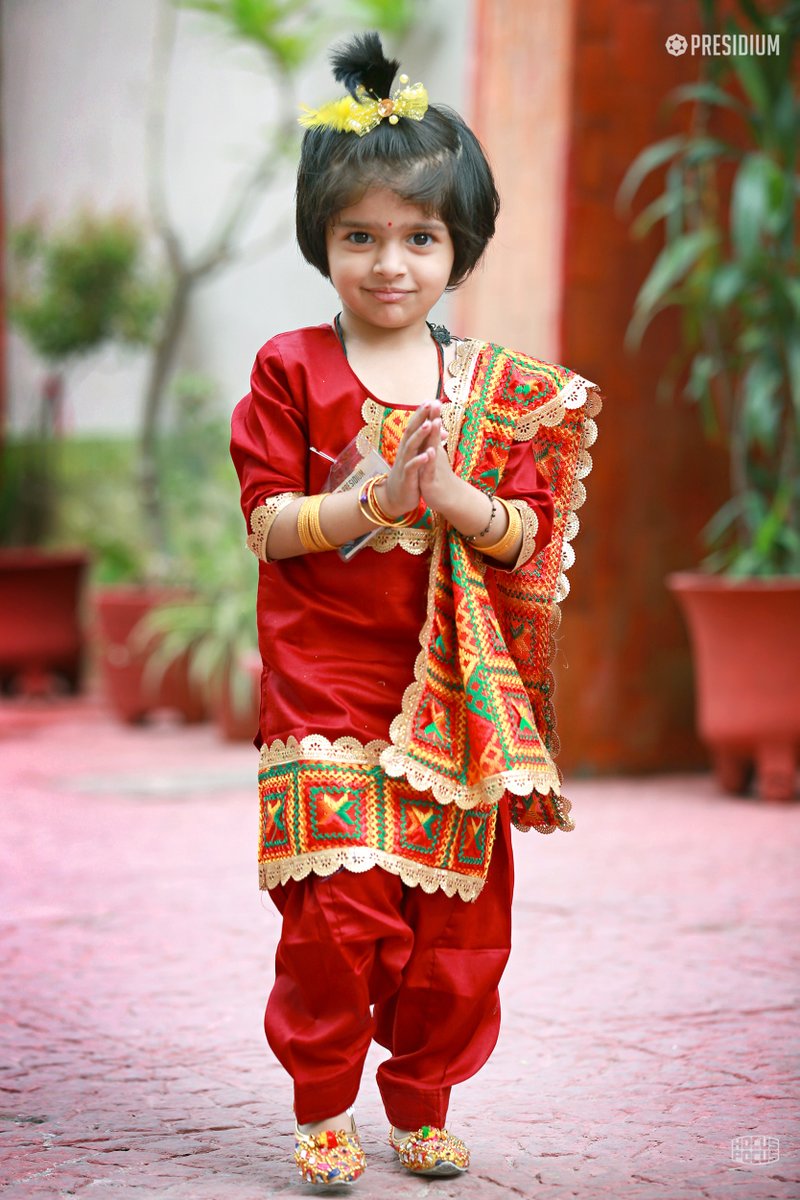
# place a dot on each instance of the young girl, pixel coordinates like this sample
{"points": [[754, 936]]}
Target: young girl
{"points": [[406, 716]]}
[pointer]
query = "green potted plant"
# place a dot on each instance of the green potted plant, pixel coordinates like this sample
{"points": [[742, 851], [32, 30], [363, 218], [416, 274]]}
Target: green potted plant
{"points": [[211, 627], [215, 631], [729, 266], [73, 290], [134, 580]]}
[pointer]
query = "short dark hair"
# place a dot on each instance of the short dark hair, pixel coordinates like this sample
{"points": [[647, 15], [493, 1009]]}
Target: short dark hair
{"points": [[437, 163]]}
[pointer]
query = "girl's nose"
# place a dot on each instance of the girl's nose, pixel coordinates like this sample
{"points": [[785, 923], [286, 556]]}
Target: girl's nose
{"points": [[389, 261]]}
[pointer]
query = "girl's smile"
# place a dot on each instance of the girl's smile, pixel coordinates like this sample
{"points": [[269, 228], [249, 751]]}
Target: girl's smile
{"points": [[389, 260]]}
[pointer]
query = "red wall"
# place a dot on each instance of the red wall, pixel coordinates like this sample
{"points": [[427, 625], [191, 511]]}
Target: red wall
{"points": [[624, 686]]}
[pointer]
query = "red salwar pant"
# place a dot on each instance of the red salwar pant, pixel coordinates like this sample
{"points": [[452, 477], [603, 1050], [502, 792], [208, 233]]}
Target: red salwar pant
{"points": [[363, 957]]}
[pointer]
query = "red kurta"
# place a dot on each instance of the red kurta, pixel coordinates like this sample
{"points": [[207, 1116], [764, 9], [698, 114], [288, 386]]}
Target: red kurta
{"points": [[339, 639]]}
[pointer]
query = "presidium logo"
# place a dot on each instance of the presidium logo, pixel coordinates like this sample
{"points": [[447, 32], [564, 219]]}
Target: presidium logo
{"points": [[724, 43]]}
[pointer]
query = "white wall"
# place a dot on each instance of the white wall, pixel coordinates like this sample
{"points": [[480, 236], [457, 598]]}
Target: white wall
{"points": [[74, 87]]}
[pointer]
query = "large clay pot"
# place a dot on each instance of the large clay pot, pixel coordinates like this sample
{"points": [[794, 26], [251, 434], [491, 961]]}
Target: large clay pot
{"points": [[235, 725], [123, 661], [745, 636], [41, 632]]}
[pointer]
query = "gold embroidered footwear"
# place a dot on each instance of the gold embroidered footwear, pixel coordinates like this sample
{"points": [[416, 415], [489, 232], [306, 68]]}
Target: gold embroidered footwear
{"points": [[431, 1151], [333, 1157]]}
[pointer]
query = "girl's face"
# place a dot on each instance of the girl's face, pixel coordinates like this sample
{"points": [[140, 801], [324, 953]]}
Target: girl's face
{"points": [[388, 260]]}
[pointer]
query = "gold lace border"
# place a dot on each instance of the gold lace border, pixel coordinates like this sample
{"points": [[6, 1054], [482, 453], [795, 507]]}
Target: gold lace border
{"points": [[261, 521], [315, 747], [364, 858]]}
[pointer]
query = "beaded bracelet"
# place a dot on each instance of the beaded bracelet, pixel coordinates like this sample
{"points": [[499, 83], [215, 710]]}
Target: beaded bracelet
{"points": [[504, 544], [309, 529], [470, 537]]}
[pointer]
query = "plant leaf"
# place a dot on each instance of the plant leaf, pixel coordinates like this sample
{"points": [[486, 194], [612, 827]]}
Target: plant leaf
{"points": [[672, 265], [646, 161], [707, 93], [757, 189], [665, 205], [752, 78], [725, 285]]}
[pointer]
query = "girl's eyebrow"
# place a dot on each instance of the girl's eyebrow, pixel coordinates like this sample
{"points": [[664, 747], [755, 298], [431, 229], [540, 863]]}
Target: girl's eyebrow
{"points": [[427, 224]]}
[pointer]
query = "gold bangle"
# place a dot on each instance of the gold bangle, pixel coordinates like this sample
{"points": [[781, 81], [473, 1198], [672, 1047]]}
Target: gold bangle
{"points": [[312, 536], [504, 544], [405, 519], [315, 528], [376, 513], [365, 502], [370, 507], [302, 526], [309, 530]]}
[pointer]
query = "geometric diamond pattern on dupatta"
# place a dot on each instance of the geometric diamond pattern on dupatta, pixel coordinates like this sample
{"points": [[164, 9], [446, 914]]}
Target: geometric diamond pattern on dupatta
{"points": [[478, 719]]}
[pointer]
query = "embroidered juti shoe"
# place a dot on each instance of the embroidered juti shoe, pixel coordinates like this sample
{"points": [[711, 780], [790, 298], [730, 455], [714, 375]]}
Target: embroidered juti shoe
{"points": [[331, 1158], [431, 1151]]}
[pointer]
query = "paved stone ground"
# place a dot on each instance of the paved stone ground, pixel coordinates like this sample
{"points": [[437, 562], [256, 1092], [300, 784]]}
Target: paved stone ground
{"points": [[650, 1008]]}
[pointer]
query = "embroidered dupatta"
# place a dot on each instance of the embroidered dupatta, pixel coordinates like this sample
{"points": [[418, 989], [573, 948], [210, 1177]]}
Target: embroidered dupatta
{"points": [[478, 719]]}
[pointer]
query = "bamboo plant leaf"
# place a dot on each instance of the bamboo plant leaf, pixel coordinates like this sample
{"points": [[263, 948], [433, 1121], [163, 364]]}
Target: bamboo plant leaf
{"points": [[646, 161], [761, 415], [726, 285], [754, 14], [723, 519], [757, 191], [683, 194], [671, 266], [708, 93], [667, 204], [704, 367], [751, 76], [705, 149]]}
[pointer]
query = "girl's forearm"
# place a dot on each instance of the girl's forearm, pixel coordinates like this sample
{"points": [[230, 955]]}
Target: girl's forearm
{"points": [[340, 518], [466, 508]]}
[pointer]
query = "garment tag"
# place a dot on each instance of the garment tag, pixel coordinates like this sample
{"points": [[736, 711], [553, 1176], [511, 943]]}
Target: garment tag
{"points": [[358, 462]]}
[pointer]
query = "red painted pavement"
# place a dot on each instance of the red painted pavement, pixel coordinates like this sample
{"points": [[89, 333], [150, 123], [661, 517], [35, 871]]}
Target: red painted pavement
{"points": [[650, 1007]]}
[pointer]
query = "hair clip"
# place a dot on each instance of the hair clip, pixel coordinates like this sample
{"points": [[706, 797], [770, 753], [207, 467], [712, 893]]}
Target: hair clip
{"points": [[363, 113]]}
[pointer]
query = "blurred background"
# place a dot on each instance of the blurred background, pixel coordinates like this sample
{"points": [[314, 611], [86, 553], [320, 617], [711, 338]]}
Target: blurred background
{"points": [[648, 240]]}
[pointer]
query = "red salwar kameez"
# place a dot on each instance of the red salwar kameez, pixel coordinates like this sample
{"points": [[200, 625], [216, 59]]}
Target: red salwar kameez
{"points": [[410, 954]]}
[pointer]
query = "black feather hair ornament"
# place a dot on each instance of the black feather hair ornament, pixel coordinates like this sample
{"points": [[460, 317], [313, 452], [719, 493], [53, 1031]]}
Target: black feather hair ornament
{"points": [[362, 62]]}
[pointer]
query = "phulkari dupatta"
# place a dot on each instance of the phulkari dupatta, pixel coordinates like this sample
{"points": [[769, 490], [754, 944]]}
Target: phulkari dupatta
{"points": [[478, 720]]}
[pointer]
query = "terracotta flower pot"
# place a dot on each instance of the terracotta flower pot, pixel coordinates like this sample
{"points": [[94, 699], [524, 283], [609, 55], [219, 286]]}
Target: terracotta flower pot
{"points": [[745, 636], [41, 631], [233, 724], [123, 663]]}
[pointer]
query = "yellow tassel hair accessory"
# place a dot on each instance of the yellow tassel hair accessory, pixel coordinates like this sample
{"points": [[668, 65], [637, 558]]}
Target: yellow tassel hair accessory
{"points": [[360, 116]]}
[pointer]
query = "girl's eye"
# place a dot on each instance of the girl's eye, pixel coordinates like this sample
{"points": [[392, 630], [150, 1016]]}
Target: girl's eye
{"points": [[358, 237], [422, 239]]}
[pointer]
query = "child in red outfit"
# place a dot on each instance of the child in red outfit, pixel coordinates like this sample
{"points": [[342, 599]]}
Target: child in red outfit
{"points": [[406, 719]]}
